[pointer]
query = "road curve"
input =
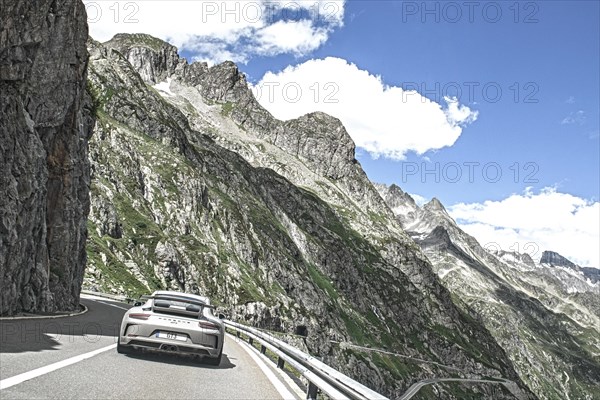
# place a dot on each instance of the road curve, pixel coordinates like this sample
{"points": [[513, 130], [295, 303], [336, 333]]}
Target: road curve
{"points": [[510, 386], [42, 347]]}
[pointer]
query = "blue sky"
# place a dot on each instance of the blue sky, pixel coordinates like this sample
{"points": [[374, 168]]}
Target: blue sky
{"points": [[514, 156], [554, 62]]}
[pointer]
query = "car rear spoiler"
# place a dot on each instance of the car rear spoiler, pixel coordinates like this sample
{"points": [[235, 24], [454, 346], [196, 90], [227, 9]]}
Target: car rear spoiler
{"points": [[179, 298]]}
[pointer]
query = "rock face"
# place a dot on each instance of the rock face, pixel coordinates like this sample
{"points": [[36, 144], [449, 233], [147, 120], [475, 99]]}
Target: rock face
{"points": [[554, 259], [545, 316], [196, 187], [44, 169], [152, 58]]}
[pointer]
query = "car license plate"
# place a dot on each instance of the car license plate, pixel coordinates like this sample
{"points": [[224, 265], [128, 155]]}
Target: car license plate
{"points": [[171, 335]]}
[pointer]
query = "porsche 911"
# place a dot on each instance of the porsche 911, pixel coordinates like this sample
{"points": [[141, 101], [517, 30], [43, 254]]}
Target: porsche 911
{"points": [[173, 322]]}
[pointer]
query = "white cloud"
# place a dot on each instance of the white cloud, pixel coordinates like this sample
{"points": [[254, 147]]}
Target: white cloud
{"points": [[216, 31], [384, 120], [214, 52], [574, 118], [570, 100], [458, 114], [532, 223], [296, 37], [420, 200]]}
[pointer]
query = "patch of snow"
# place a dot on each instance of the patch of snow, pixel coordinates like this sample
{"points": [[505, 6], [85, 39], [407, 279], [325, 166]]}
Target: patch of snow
{"points": [[570, 271], [509, 257], [572, 290], [164, 88], [443, 272], [403, 210]]}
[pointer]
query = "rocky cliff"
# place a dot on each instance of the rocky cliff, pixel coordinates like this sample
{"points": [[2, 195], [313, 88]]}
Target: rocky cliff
{"points": [[44, 168], [545, 317], [196, 187], [553, 259]]}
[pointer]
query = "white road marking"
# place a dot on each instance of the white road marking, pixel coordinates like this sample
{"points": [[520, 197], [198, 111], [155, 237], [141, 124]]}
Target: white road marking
{"points": [[15, 380], [283, 391]]}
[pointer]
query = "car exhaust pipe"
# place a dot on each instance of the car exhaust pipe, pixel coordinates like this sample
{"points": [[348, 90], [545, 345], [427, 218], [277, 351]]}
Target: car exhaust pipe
{"points": [[167, 347]]}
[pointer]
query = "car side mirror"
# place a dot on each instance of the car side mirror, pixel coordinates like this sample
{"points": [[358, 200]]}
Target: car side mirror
{"points": [[137, 304], [221, 316]]}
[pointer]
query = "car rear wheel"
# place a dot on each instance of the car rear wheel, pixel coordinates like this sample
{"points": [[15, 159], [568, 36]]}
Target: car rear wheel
{"points": [[122, 349]]}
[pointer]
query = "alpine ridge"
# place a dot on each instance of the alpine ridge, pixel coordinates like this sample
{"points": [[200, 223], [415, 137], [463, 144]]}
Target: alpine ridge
{"points": [[544, 315], [554, 259]]}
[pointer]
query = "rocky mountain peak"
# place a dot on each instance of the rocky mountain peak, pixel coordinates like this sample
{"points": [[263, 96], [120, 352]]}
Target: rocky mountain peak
{"points": [[515, 257], [397, 193], [401, 203], [435, 206], [320, 139], [156, 60], [153, 58], [132, 40], [556, 260], [396, 189], [225, 83]]}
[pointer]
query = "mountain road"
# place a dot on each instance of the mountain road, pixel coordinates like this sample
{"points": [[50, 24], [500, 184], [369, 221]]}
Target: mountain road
{"points": [[76, 358]]}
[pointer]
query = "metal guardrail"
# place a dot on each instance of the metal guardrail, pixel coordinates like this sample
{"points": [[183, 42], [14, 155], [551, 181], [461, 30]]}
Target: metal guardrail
{"points": [[319, 375], [108, 296]]}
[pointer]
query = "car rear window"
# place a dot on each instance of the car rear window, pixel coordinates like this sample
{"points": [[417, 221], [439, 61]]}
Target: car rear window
{"points": [[182, 306]]}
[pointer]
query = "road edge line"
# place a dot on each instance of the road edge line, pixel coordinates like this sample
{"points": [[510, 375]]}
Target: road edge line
{"points": [[276, 382]]}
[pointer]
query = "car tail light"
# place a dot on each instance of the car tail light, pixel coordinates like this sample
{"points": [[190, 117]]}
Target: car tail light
{"points": [[139, 316], [208, 325]]}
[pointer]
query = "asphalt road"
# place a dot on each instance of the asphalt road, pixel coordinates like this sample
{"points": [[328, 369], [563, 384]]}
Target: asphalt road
{"points": [[32, 349]]}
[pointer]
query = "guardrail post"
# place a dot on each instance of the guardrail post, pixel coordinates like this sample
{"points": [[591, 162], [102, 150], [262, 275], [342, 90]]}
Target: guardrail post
{"points": [[263, 349], [251, 341], [280, 363], [311, 391], [238, 334]]}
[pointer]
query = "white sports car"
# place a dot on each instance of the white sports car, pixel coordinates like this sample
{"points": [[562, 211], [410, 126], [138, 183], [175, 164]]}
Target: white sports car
{"points": [[173, 322]]}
